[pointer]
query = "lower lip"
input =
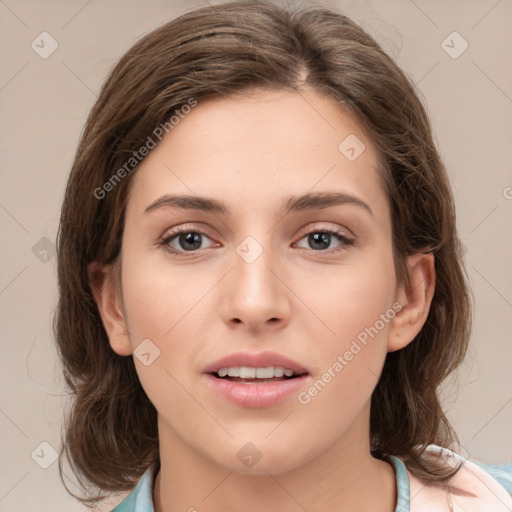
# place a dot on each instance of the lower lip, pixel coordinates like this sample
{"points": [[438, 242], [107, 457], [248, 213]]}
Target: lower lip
{"points": [[262, 394]]}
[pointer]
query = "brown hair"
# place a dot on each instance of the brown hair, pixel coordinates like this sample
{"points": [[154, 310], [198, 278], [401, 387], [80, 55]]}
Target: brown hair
{"points": [[220, 51]]}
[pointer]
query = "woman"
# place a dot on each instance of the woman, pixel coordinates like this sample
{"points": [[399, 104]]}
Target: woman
{"points": [[261, 284]]}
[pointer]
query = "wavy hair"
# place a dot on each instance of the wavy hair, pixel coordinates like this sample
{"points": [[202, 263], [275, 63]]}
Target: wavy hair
{"points": [[110, 435]]}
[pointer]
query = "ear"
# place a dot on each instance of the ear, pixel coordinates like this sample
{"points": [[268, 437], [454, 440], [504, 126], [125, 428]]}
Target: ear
{"points": [[415, 299], [105, 285]]}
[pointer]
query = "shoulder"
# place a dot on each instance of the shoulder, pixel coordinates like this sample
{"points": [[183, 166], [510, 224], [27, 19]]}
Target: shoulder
{"points": [[476, 487], [141, 497]]}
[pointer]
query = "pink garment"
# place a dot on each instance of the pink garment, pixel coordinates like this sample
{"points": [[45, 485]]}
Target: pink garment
{"points": [[471, 489]]}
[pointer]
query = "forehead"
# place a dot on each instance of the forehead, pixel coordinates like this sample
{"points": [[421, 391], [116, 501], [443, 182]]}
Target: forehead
{"points": [[263, 145]]}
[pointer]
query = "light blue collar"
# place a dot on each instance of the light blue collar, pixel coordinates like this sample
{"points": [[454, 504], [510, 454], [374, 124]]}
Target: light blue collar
{"points": [[141, 498], [402, 485]]}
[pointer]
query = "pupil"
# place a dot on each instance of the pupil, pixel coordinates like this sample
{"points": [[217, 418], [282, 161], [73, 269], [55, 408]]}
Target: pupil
{"points": [[322, 238], [190, 238]]}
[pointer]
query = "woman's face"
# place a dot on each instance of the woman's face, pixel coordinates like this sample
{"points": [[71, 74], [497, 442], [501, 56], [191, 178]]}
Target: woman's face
{"points": [[254, 274]]}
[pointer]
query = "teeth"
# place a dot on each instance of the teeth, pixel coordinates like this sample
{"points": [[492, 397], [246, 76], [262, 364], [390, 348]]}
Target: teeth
{"points": [[246, 372], [278, 372], [264, 373]]}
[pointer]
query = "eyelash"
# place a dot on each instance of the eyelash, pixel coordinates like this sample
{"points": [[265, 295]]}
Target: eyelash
{"points": [[169, 236]]}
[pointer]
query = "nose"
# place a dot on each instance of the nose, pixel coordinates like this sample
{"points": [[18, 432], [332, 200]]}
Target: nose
{"points": [[256, 295]]}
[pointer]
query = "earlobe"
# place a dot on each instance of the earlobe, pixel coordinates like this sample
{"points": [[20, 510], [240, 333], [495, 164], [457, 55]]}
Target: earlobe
{"points": [[415, 299], [104, 286]]}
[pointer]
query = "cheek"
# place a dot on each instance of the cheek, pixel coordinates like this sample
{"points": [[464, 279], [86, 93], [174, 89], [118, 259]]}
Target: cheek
{"points": [[165, 316], [348, 363], [355, 307], [349, 299], [157, 296], [159, 309]]}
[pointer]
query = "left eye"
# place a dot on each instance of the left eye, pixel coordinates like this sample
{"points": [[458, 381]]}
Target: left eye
{"points": [[323, 239]]}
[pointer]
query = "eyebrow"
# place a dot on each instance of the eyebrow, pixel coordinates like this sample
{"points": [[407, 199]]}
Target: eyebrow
{"points": [[293, 203]]}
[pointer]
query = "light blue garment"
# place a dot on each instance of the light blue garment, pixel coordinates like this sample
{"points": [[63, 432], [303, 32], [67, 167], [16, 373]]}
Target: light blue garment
{"points": [[141, 499]]}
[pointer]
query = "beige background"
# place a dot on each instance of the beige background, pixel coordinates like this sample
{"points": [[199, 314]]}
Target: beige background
{"points": [[44, 105]]}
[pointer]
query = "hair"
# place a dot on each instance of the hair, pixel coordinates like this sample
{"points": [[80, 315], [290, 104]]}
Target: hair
{"points": [[110, 435]]}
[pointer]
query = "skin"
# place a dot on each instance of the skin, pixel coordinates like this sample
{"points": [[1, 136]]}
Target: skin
{"points": [[309, 305]]}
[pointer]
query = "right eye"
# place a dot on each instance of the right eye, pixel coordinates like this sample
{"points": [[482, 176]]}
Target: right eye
{"points": [[188, 240]]}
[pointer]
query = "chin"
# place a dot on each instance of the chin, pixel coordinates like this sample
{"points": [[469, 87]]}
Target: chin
{"points": [[256, 459]]}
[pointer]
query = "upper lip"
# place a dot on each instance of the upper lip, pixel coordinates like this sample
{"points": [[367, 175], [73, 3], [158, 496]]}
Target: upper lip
{"points": [[255, 360]]}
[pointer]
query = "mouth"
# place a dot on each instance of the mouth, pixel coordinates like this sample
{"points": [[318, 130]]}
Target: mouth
{"points": [[261, 379]]}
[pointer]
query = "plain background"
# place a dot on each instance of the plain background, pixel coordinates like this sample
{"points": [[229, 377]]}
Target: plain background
{"points": [[44, 106]]}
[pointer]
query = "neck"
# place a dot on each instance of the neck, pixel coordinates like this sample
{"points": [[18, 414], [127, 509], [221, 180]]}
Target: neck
{"points": [[344, 477]]}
